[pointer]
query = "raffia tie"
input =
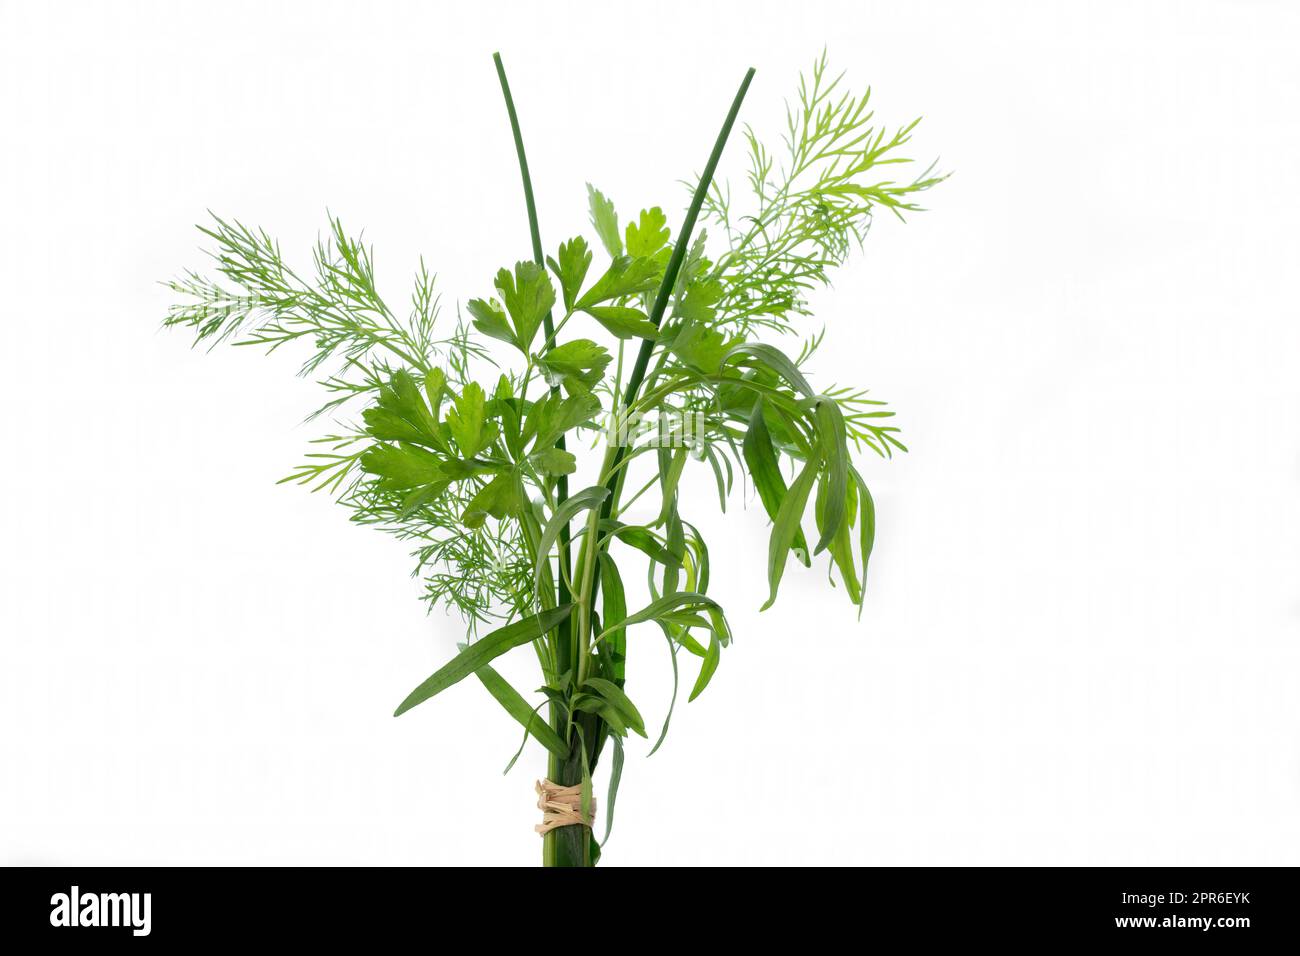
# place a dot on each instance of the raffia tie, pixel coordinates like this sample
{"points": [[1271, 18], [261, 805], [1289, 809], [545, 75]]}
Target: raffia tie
{"points": [[560, 806]]}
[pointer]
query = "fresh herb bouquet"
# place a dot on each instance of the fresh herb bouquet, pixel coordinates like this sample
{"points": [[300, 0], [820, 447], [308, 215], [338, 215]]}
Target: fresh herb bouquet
{"points": [[476, 474]]}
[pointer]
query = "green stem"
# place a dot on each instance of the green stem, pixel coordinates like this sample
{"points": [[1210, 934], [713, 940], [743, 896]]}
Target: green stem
{"points": [[683, 242], [571, 846], [576, 839], [554, 852], [661, 302]]}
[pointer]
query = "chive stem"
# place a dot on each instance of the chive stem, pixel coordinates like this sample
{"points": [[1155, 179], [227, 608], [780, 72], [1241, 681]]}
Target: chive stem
{"points": [[561, 648]]}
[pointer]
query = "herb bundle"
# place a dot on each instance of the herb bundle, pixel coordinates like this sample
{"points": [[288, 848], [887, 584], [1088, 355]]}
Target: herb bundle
{"points": [[653, 357]]}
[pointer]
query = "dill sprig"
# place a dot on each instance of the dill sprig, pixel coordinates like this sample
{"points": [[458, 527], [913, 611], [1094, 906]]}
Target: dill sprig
{"points": [[811, 207]]}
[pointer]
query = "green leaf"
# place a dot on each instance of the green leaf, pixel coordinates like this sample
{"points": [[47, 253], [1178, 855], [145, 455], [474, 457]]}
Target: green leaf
{"points": [[551, 417], [625, 276], [467, 421], [785, 526], [613, 608], [866, 524], [671, 465], [518, 708], [484, 651], [692, 600], [641, 538], [401, 413], [595, 704], [700, 347], [672, 703], [620, 701], [841, 546], [623, 322], [717, 463], [699, 552], [764, 355], [554, 461], [615, 775], [528, 295], [649, 235], [707, 668], [835, 452], [765, 469], [575, 503], [695, 265], [684, 619], [387, 425], [571, 269], [502, 497], [435, 387], [675, 542], [605, 221], [697, 305], [490, 319], [404, 466], [580, 362]]}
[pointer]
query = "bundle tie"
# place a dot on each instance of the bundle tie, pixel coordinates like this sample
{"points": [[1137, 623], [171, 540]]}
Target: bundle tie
{"points": [[560, 806]]}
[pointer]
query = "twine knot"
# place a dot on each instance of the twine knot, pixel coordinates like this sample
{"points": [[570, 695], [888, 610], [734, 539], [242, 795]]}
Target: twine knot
{"points": [[561, 806]]}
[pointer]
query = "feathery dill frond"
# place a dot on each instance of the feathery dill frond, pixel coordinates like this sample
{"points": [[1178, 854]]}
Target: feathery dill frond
{"points": [[811, 207]]}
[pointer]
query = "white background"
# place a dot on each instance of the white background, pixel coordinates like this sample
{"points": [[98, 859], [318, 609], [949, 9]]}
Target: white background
{"points": [[1081, 639]]}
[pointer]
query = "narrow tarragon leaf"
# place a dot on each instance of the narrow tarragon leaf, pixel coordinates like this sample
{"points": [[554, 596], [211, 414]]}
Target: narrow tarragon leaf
{"points": [[787, 522], [831, 432], [670, 473], [614, 609], [842, 544], [641, 538], [723, 483], [675, 542], [665, 604], [765, 469], [484, 651], [700, 558], [615, 775], [518, 708], [776, 360], [621, 702], [605, 221], [581, 501], [595, 704], [709, 665], [866, 526], [672, 650], [671, 625]]}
